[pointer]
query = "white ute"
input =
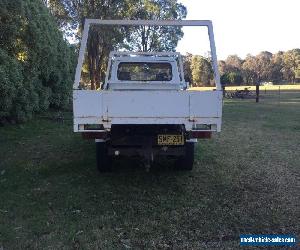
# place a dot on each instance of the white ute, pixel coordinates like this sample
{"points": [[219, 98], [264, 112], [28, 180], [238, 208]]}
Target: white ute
{"points": [[145, 107]]}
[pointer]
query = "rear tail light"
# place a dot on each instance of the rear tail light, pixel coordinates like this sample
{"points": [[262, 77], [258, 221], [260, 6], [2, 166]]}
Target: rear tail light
{"points": [[200, 134], [95, 135]]}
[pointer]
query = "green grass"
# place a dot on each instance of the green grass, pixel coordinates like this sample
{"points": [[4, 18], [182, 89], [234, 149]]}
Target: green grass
{"points": [[245, 180]]}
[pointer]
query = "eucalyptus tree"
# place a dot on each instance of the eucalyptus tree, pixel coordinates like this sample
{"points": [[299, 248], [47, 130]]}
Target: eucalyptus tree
{"points": [[154, 38]]}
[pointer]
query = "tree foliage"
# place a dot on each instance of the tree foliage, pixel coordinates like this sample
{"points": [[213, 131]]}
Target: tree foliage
{"points": [[154, 38], [37, 64], [279, 68]]}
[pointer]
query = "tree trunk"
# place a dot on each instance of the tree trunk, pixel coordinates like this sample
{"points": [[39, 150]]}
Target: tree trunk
{"points": [[144, 40], [93, 55]]}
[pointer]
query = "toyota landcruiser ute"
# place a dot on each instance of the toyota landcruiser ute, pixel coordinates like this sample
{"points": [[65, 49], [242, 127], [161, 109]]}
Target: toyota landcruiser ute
{"points": [[146, 108]]}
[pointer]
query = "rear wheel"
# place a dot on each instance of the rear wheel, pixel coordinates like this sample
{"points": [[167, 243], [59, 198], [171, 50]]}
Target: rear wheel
{"points": [[186, 161], [103, 159]]}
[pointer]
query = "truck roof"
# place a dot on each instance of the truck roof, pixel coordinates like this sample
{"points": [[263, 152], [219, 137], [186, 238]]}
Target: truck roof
{"points": [[144, 56]]}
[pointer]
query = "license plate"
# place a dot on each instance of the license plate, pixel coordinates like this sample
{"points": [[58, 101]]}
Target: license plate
{"points": [[170, 140]]}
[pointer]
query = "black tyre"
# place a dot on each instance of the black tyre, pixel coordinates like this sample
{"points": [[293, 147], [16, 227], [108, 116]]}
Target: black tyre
{"points": [[186, 162], [104, 161]]}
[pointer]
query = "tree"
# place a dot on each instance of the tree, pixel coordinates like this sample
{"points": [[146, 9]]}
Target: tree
{"points": [[232, 78], [277, 67], [264, 66], [222, 67], [154, 38], [10, 83], [202, 71], [104, 39], [231, 70], [291, 64], [36, 63], [234, 64], [71, 16], [297, 75], [235, 78], [250, 70]]}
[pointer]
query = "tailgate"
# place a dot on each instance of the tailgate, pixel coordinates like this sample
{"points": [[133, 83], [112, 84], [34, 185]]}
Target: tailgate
{"points": [[147, 107]]}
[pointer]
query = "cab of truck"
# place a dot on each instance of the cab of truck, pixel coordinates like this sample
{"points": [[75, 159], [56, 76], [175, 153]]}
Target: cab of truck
{"points": [[145, 70]]}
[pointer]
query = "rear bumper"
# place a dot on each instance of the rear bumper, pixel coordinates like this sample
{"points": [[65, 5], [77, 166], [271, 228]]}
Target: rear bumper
{"points": [[143, 134], [189, 124]]}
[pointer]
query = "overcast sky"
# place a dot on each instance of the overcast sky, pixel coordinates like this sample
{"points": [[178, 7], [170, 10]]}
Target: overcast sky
{"points": [[243, 26]]}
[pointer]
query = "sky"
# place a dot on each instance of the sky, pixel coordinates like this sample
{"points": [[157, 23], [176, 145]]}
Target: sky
{"points": [[242, 26]]}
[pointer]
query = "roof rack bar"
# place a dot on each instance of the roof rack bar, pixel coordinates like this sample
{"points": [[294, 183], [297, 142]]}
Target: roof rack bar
{"points": [[206, 23], [150, 22]]}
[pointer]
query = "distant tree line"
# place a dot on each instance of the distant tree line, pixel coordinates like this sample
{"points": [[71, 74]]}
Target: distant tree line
{"points": [[36, 63], [282, 67]]}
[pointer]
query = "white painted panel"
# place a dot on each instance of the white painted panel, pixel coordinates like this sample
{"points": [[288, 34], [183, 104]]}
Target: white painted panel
{"points": [[87, 103], [205, 104], [146, 104]]}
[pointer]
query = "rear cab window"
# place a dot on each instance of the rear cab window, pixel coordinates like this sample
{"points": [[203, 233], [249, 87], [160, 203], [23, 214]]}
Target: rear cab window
{"points": [[144, 71]]}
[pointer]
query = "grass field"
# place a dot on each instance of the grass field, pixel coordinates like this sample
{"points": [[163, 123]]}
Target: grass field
{"points": [[252, 88], [245, 180]]}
